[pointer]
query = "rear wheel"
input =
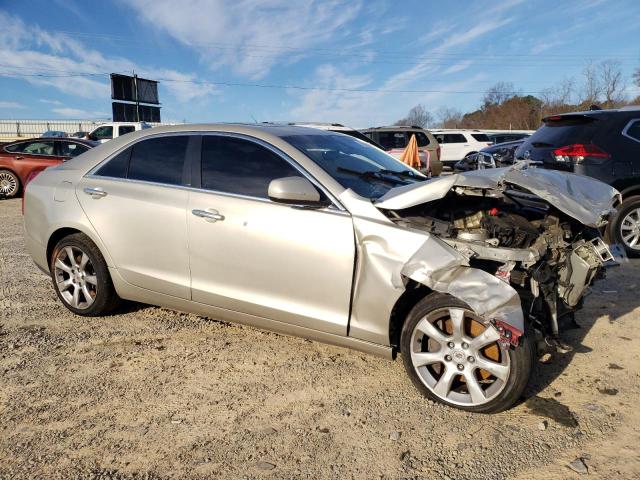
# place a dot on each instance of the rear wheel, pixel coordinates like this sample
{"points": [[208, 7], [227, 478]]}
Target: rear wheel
{"points": [[81, 277], [626, 226], [453, 356], [9, 184]]}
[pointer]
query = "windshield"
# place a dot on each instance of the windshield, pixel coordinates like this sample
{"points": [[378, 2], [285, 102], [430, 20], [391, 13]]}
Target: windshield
{"points": [[355, 164]]}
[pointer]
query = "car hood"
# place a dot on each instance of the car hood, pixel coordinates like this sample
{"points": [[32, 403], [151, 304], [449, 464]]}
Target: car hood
{"points": [[584, 198]]}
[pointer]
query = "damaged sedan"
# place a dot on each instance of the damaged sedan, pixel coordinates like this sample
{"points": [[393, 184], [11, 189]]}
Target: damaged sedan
{"points": [[320, 235]]}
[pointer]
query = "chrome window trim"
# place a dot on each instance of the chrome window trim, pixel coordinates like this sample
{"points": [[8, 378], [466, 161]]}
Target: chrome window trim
{"points": [[625, 130], [335, 202], [330, 209]]}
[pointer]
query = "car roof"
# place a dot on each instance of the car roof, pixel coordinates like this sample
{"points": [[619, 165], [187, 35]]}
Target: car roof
{"points": [[596, 113], [69, 139], [395, 127]]}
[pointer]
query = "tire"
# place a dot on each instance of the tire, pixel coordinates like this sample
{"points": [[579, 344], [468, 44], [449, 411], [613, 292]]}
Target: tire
{"points": [[9, 184], [626, 222], [81, 278], [430, 325]]}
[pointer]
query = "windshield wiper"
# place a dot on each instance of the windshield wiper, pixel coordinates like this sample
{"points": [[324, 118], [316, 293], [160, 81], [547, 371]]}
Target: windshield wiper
{"points": [[376, 174]]}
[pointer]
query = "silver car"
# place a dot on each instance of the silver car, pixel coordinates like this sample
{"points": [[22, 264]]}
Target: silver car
{"points": [[319, 235]]}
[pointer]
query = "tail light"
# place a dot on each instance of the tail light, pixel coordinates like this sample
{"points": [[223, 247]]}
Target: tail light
{"points": [[30, 177], [438, 152], [577, 152]]}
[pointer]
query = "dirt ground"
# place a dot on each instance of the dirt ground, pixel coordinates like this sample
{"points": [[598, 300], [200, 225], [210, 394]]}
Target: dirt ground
{"points": [[152, 393]]}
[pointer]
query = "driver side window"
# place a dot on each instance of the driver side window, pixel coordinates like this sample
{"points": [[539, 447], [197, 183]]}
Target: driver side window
{"points": [[238, 166], [103, 133]]}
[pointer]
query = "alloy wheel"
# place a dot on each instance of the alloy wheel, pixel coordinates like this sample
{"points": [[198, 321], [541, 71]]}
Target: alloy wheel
{"points": [[458, 357], [75, 277], [630, 229], [8, 184]]}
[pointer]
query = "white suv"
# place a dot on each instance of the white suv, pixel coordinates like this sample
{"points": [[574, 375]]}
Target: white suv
{"points": [[108, 131], [457, 144]]}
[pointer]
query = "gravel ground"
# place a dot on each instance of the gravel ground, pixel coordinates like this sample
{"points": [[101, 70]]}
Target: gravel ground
{"points": [[152, 393]]}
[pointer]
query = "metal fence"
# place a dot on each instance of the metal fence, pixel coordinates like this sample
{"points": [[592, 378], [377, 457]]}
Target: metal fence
{"points": [[12, 129]]}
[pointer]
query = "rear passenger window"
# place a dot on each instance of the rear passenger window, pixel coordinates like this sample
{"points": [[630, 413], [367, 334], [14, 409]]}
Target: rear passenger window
{"points": [[421, 138], [390, 140], [117, 166], [159, 160], [124, 129], [633, 130], [238, 166]]}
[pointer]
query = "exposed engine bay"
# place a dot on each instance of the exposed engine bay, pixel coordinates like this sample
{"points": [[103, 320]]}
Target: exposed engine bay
{"points": [[548, 257]]}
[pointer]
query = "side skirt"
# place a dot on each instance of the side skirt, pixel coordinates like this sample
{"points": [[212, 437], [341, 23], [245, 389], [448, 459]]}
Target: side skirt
{"points": [[134, 293]]}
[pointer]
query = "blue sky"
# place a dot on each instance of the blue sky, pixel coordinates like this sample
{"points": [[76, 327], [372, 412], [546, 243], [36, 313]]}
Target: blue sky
{"points": [[358, 62]]}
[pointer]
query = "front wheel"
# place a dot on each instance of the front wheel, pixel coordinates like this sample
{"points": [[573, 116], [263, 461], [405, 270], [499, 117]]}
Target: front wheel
{"points": [[453, 356]]}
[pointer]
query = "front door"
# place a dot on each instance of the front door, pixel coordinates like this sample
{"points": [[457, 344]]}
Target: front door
{"points": [[255, 256]]}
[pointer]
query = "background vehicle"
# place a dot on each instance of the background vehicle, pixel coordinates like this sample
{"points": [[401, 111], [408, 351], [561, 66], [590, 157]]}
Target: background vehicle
{"points": [[504, 137], [20, 159], [339, 128], [109, 131], [79, 134], [457, 144], [502, 154], [319, 235], [53, 134], [394, 140], [603, 144]]}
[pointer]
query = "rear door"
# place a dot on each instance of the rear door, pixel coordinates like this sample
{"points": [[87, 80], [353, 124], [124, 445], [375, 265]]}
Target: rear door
{"points": [[33, 156], [137, 203]]}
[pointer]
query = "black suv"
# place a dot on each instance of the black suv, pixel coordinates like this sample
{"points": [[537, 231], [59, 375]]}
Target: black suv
{"points": [[604, 144]]}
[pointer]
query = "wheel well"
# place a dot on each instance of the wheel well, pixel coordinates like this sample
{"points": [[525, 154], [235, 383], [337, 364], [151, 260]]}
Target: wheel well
{"points": [[413, 294], [56, 237]]}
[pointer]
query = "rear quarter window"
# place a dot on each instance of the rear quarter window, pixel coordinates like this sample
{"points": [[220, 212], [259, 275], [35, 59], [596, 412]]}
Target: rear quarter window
{"points": [[480, 137]]}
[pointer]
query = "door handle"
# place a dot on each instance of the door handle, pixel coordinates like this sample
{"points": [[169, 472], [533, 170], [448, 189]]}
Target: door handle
{"points": [[209, 215], [19, 158], [95, 192]]}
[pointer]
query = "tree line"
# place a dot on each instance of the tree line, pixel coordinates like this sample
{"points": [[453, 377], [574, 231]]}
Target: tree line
{"points": [[601, 85]]}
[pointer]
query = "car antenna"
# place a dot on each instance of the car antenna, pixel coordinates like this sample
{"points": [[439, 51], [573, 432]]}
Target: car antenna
{"points": [[254, 118]]}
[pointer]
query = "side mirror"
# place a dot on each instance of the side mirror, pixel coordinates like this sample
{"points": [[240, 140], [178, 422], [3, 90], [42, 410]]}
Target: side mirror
{"points": [[295, 191]]}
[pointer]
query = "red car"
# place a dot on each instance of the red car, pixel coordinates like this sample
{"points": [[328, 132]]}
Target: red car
{"points": [[18, 160]]}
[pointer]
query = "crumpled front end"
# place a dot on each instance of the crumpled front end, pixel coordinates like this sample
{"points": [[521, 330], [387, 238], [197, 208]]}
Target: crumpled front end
{"points": [[521, 247]]}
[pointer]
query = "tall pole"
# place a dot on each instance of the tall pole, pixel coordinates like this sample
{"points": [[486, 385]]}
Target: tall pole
{"points": [[135, 85]]}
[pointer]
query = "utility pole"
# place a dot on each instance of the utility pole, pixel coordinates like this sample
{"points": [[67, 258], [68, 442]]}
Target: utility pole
{"points": [[135, 86]]}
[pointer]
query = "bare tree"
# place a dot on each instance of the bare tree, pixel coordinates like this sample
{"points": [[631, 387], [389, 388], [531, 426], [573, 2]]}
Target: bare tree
{"points": [[592, 87], [449, 117], [418, 116], [636, 77], [499, 93], [612, 83]]}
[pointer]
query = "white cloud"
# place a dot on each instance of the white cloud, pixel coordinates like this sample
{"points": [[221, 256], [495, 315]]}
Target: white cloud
{"points": [[360, 109], [250, 36], [8, 105], [51, 102], [27, 52], [79, 113], [458, 67]]}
